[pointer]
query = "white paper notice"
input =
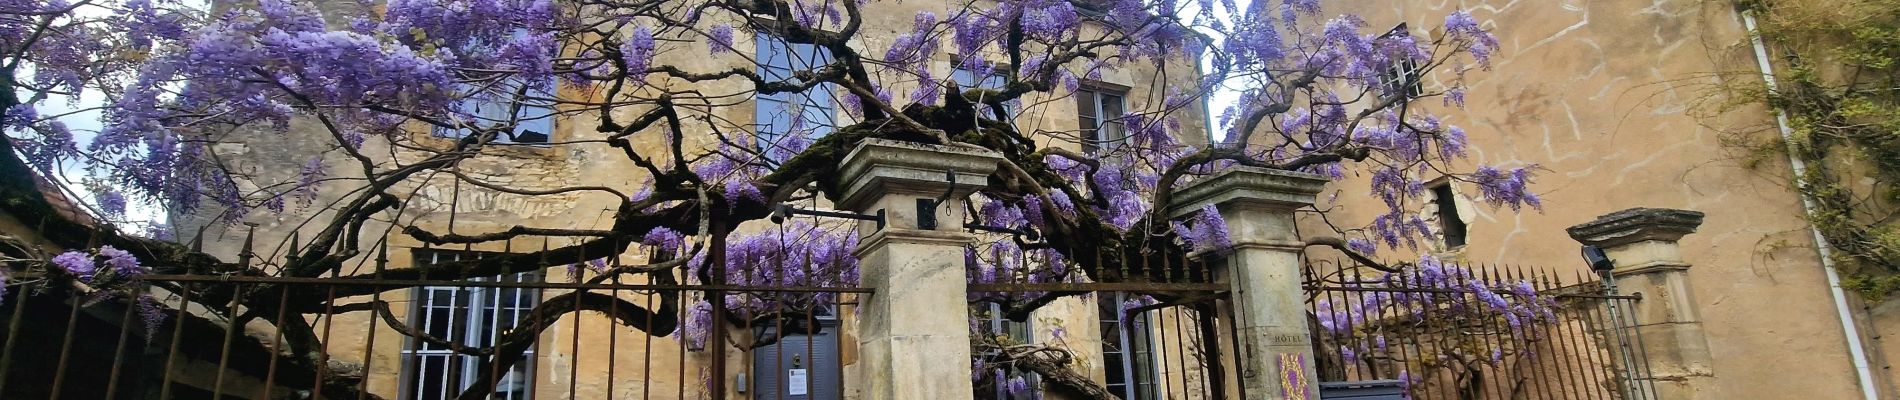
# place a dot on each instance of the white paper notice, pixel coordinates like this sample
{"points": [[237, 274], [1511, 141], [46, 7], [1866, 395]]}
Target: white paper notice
{"points": [[797, 384]]}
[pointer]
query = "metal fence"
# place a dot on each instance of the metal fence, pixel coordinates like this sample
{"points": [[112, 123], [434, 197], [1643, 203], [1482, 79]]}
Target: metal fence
{"points": [[1477, 332], [1152, 340], [547, 334]]}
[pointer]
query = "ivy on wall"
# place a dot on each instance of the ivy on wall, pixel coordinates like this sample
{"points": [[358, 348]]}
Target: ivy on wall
{"points": [[1838, 67]]}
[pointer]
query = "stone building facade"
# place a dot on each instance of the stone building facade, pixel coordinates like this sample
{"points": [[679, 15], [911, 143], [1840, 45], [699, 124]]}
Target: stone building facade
{"points": [[1606, 97], [1611, 101], [640, 365]]}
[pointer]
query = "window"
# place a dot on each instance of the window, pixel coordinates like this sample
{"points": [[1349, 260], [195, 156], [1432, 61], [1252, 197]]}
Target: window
{"points": [[488, 106], [991, 79], [1101, 113], [533, 116], [469, 316], [1403, 77], [810, 112], [1127, 350], [989, 322], [1450, 226]]}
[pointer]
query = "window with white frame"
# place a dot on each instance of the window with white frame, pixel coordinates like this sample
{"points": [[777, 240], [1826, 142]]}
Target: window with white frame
{"points": [[1100, 112], [811, 112], [989, 321], [1404, 77], [1128, 358], [465, 316], [985, 79]]}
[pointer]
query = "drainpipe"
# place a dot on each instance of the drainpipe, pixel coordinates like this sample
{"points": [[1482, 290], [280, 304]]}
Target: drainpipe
{"points": [[1855, 349]]}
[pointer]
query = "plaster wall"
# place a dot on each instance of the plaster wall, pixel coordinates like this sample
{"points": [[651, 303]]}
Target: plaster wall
{"points": [[1606, 98]]}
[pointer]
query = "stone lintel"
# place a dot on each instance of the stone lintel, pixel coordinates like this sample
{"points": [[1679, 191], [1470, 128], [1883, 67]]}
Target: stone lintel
{"points": [[1249, 186], [880, 166], [1636, 225]]}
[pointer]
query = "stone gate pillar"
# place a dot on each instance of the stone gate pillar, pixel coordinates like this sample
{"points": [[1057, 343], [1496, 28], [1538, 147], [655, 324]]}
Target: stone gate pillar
{"points": [[1642, 242], [914, 332], [1269, 307]]}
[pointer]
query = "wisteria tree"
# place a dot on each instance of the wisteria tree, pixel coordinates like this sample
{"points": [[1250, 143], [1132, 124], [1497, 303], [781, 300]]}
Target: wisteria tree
{"points": [[406, 91]]}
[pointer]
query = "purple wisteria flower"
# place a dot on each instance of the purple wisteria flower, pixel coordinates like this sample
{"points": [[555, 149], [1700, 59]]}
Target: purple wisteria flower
{"points": [[77, 263], [665, 239], [1507, 189], [637, 52], [1205, 230], [1362, 246], [698, 324], [721, 38], [151, 313], [1460, 25], [111, 202], [929, 89], [122, 262]]}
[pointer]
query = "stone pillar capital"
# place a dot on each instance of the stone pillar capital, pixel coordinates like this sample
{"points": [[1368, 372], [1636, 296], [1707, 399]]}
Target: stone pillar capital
{"points": [[1635, 225], [1640, 240], [879, 166], [1249, 187]]}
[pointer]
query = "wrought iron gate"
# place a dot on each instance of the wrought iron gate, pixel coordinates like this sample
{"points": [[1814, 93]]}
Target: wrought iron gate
{"points": [[1476, 332]]}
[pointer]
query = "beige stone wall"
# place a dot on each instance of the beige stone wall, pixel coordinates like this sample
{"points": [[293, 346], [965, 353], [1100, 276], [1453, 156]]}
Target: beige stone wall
{"points": [[1602, 95], [436, 203]]}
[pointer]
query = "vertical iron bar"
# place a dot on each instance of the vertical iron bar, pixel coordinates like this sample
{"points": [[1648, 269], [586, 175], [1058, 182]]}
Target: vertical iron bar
{"points": [[613, 321], [1527, 343], [323, 349], [13, 331], [1492, 336], [178, 329], [1427, 310], [230, 335], [369, 344], [1487, 277], [66, 346], [1649, 373], [1640, 368], [118, 354], [1214, 374], [1573, 368], [277, 340], [1600, 351], [574, 338], [717, 298], [1242, 349], [646, 362], [683, 310], [1333, 312], [1626, 354]]}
